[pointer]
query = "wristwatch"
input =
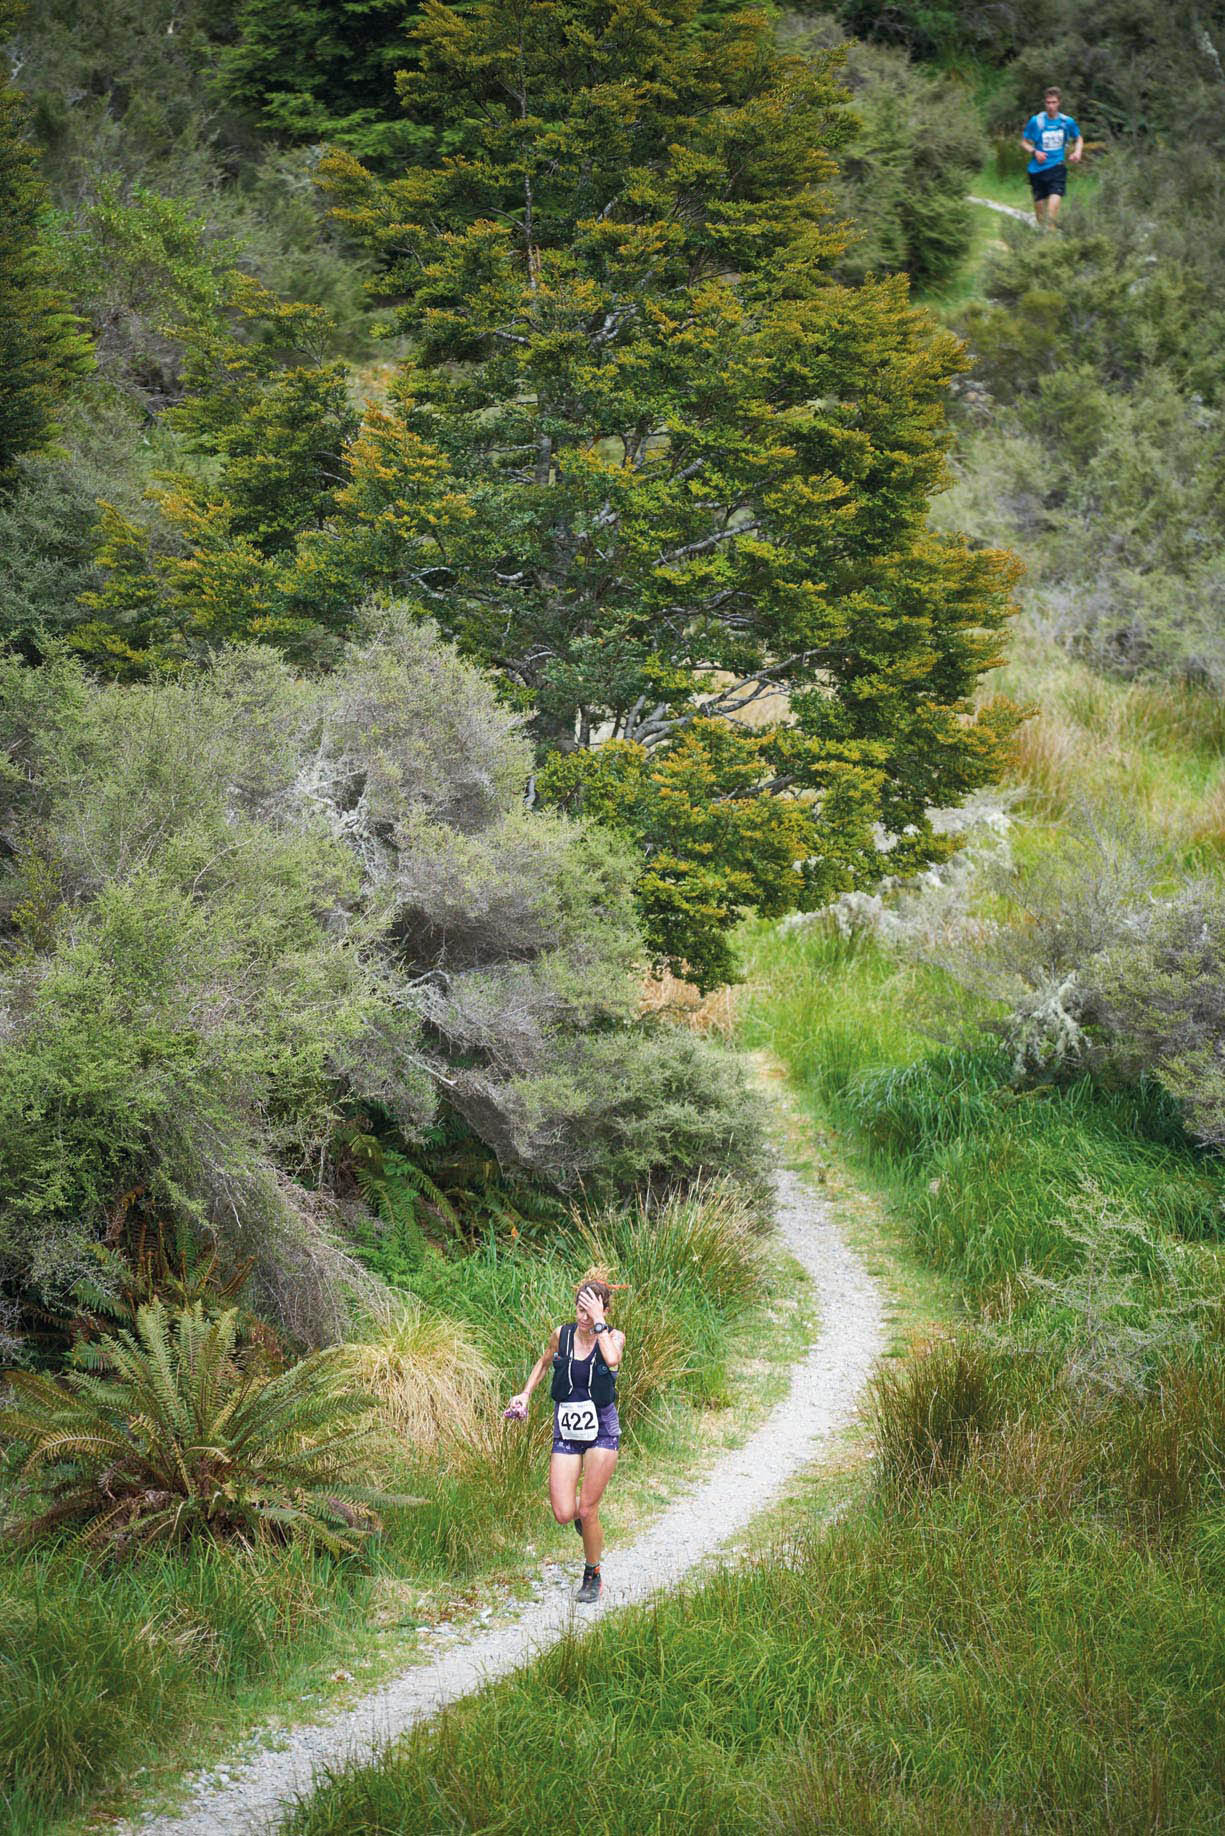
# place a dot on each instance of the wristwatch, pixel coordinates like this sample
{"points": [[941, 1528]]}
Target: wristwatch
{"points": [[599, 1326]]}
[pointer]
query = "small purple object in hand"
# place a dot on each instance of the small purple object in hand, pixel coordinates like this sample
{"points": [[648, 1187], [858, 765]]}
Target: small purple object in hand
{"points": [[516, 1413]]}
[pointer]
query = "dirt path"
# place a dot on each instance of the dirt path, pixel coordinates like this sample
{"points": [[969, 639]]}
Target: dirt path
{"points": [[254, 1792], [1006, 210]]}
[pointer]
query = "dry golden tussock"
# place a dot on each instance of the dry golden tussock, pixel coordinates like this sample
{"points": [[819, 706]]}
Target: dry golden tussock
{"points": [[432, 1383], [666, 994]]}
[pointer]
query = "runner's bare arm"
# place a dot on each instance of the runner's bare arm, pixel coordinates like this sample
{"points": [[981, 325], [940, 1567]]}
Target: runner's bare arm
{"points": [[538, 1369], [612, 1345]]}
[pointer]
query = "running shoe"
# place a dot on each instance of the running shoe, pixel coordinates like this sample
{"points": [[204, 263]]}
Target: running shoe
{"points": [[590, 1590], [578, 1525]]}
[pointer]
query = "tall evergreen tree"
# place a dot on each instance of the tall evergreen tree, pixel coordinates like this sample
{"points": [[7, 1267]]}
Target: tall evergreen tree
{"points": [[42, 347], [320, 70], [698, 469], [650, 461]]}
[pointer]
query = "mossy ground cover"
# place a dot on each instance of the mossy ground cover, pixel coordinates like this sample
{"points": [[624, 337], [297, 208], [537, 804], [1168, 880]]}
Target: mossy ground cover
{"points": [[114, 1678]]}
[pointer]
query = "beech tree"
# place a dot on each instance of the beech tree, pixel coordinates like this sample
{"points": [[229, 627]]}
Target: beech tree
{"points": [[319, 70], [654, 464], [698, 469]]}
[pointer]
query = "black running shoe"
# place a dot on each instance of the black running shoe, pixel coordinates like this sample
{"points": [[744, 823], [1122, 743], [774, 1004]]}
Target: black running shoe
{"points": [[590, 1590], [578, 1525]]}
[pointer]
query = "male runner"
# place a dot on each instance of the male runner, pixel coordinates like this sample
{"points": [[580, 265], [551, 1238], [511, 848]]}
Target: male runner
{"points": [[1046, 139]]}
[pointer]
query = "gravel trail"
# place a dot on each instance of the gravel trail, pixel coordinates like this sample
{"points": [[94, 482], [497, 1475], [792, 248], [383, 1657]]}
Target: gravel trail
{"points": [[1006, 210], [254, 1792]]}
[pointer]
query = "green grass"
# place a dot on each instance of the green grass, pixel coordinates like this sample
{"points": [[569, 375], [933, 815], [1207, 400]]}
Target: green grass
{"points": [[975, 1666], [111, 1678], [1019, 1623], [985, 1177], [1152, 749]]}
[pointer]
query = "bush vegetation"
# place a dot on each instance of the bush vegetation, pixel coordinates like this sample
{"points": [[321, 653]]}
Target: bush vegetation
{"points": [[899, 183], [585, 512], [106, 1668], [242, 907], [307, 1012]]}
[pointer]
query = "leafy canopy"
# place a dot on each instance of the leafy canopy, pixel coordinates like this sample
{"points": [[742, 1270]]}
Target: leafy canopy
{"points": [[649, 460]]}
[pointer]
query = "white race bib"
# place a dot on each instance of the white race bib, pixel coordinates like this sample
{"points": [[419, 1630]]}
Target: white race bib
{"points": [[1052, 139], [578, 1421]]}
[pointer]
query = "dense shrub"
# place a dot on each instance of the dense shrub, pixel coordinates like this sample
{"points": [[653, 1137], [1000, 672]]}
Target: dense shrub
{"points": [[167, 1438], [42, 349], [240, 906], [1098, 972], [1132, 71], [49, 517], [320, 71], [902, 175]]}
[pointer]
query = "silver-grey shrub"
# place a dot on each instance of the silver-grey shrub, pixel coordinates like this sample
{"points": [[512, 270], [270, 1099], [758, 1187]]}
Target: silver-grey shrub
{"points": [[235, 904], [1103, 961]]}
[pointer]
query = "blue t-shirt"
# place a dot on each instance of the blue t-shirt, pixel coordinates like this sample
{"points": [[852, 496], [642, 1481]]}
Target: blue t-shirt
{"points": [[1052, 133]]}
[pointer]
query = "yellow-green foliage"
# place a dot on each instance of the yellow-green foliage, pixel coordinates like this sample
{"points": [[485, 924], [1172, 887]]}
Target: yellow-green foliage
{"points": [[649, 459]]}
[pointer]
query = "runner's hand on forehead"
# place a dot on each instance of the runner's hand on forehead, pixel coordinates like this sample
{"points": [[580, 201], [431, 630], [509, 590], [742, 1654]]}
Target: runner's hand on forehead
{"points": [[590, 1300]]}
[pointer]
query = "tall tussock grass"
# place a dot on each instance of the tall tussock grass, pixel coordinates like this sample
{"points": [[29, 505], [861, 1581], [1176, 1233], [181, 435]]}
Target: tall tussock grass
{"points": [[97, 1665], [1157, 746], [984, 1174], [431, 1378], [974, 1665], [929, 1415]]}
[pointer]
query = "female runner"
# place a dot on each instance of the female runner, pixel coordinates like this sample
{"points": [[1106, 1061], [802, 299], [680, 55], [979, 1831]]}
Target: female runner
{"points": [[585, 1355]]}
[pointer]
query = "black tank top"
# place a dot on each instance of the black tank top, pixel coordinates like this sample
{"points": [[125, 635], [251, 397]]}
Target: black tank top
{"points": [[586, 1379], [580, 1377]]}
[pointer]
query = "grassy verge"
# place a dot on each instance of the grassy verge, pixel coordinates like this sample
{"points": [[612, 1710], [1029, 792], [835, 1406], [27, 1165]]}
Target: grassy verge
{"points": [[975, 1668], [965, 285], [983, 1176], [112, 1680]]}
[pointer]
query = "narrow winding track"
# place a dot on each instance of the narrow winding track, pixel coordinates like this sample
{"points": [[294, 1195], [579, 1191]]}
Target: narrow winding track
{"points": [[253, 1794], [1005, 210]]}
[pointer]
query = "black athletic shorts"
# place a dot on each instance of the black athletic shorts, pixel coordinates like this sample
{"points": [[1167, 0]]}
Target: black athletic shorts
{"points": [[1052, 181]]}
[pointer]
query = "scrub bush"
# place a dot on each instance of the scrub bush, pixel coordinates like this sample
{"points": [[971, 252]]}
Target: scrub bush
{"points": [[240, 909]]}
